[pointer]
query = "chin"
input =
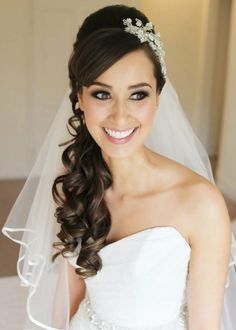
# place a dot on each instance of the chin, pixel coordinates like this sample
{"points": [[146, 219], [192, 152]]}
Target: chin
{"points": [[120, 152]]}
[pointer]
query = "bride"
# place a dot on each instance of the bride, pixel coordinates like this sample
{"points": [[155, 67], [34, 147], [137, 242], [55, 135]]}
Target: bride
{"points": [[145, 239]]}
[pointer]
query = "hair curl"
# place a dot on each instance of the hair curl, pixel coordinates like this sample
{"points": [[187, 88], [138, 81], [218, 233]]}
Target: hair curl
{"points": [[82, 211]]}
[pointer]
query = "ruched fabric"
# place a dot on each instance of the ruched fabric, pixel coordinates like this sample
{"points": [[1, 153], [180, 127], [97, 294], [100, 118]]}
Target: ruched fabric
{"points": [[142, 284]]}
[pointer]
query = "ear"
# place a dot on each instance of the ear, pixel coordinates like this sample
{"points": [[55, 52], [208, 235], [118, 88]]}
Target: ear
{"points": [[80, 100], [157, 99]]}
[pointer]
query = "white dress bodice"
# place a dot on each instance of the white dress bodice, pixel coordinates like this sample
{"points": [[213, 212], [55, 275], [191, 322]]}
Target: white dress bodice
{"points": [[142, 284]]}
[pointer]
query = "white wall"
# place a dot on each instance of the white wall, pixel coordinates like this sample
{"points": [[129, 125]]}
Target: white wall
{"points": [[36, 40], [15, 72], [194, 31], [226, 171]]}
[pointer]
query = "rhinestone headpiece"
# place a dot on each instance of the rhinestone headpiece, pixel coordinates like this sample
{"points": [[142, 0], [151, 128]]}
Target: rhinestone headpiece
{"points": [[145, 33]]}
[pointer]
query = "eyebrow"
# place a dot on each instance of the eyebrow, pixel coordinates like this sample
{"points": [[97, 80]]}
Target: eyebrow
{"points": [[142, 84]]}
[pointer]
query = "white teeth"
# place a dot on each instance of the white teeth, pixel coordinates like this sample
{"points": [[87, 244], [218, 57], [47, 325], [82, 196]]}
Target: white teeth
{"points": [[119, 135]]}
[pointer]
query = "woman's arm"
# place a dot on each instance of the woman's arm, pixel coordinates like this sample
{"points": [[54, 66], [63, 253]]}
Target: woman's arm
{"points": [[210, 239], [77, 289]]}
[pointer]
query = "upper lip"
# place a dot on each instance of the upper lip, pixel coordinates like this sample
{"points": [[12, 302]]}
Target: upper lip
{"points": [[120, 130]]}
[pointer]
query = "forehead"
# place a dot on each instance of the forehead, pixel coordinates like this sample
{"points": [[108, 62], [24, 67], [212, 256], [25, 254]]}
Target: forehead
{"points": [[132, 68]]}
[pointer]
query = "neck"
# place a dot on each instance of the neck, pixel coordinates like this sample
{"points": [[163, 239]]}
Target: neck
{"points": [[132, 175]]}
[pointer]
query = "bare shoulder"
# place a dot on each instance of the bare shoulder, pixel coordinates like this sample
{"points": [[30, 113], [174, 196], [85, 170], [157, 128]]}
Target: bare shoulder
{"points": [[209, 235], [201, 210], [206, 211], [204, 219]]}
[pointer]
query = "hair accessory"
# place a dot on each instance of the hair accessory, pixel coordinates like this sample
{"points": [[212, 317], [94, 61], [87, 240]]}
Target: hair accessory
{"points": [[145, 33]]}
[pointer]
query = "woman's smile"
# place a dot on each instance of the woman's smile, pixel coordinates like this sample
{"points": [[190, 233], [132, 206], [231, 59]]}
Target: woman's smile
{"points": [[119, 136]]}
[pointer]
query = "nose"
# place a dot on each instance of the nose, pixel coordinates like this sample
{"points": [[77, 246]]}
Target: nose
{"points": [[120, 113]]}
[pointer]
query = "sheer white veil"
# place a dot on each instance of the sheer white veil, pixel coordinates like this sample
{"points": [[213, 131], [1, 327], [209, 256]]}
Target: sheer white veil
{"points": [[32, 223]]}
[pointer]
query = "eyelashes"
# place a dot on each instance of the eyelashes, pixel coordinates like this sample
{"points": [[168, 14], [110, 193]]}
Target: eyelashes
{"points": [[137, 96], [103, 95]]}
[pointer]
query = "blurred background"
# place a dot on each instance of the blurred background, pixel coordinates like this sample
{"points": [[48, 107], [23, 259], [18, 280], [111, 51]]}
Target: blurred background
{"points": [[36, 41]]}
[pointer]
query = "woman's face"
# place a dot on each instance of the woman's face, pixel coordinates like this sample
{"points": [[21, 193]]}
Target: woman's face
{"points": [[120, 104]]}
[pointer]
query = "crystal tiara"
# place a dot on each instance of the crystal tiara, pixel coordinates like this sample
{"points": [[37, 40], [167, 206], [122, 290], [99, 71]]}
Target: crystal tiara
{"points": [[145, 33]]}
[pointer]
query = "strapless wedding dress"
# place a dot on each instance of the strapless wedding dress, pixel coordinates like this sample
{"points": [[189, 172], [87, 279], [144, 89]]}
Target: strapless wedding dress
{"points": [[142, 284]]}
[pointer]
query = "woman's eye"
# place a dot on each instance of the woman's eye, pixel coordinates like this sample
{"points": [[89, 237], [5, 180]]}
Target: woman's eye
{"points": [[139, 96], [101, 95]]}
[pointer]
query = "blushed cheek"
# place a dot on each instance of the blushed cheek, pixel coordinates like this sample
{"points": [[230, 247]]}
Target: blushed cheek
{"points": [[94, 118], [146, 114]]}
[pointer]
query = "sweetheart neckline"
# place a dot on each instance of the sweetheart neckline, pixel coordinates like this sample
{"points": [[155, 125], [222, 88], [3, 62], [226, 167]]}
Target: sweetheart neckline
{"points": [[144, 231]]}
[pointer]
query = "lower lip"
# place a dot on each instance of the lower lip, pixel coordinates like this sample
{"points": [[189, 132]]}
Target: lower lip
{"points": [[120, 141]]}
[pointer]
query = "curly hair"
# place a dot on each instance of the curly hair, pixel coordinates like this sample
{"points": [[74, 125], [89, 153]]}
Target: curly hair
{"points": [[82, 212]]}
